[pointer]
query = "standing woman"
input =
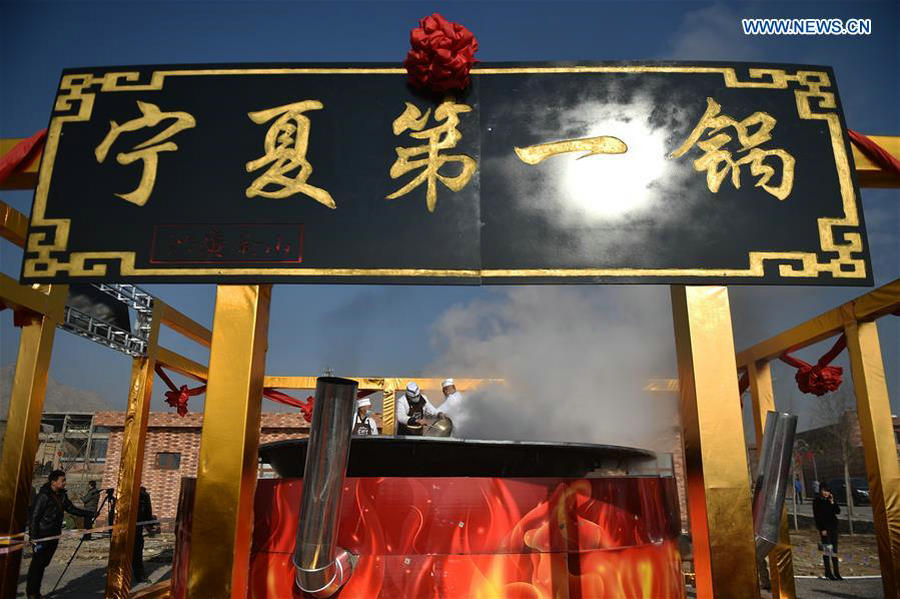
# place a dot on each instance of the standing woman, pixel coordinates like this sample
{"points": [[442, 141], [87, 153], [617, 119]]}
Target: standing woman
{"points": [[825, 512]]}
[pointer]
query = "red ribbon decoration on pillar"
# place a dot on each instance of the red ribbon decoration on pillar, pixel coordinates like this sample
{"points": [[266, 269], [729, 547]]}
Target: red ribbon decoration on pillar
{"points": [[820, 378], [284, 398], [874, 152], [22, 153], [177, 397]]}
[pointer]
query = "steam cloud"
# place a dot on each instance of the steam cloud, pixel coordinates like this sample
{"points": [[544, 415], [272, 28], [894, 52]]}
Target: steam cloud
{"points": [[575, 361]]}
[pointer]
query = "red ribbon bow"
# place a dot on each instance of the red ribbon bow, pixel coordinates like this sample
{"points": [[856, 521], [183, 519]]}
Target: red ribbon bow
{"points": [[178, 398], [441, 56], [819, 378]]}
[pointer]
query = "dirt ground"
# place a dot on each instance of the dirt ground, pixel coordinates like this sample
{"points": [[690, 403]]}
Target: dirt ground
{"points": [[85, 578], [156, 548], [858, 554]]}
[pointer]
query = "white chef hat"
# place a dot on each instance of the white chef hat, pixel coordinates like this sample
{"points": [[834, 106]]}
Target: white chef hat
{"points": [[363, 402], [448, 383], [412, 389]]}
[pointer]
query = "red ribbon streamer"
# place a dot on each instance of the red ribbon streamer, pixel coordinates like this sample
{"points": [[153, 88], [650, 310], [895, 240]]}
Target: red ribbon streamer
{"points": [[306, 407], [177, 397], [21, 154], [284, 398], [820, 378], [875, 153]]}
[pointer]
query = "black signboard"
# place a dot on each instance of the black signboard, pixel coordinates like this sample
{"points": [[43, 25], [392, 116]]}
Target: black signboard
{"points": [[656, 173]]}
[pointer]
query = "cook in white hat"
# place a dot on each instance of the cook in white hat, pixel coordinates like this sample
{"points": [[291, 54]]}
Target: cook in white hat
{"points": [[363, 424], [453, 402], [412, 408]]}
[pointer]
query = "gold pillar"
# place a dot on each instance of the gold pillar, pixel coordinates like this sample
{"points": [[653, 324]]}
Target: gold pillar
{"points": [[715, 455], [20, 441], [781, 560], [388, 413], [131, 465], [876, 428], [226, 472]]}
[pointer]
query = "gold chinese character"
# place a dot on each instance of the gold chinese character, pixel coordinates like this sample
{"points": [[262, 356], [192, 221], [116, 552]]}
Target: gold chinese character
{"points": [[441, 137], [285, 149], [591, 145], [145, 151], [717, 162]]}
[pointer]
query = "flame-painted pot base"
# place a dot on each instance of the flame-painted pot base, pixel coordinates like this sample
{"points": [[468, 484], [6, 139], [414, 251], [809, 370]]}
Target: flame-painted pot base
{"points": [[466, 538]]}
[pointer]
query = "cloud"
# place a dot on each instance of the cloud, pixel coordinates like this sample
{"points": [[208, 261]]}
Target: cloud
{"points": [[711, 33], [575, 361]]}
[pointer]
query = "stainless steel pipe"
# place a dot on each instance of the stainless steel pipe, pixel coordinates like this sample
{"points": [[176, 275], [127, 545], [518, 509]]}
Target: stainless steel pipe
{"points": [[772, 480], [321, 567]]}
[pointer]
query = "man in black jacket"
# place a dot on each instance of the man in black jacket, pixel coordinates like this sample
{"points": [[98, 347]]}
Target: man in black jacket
{"points": [[825, 512], [46, 521], [91, 500], [145, 514]]}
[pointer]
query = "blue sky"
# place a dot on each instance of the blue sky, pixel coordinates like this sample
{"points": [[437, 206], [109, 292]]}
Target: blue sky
{"points": [[391, 330]]}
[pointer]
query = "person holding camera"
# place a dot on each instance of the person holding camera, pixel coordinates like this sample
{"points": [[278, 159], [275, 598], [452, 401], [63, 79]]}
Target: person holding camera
{"points": [[91, 499], [825, 511], [46, 520]]}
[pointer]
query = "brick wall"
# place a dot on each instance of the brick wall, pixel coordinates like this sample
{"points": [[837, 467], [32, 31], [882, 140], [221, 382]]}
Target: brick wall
{"points": [[170, 433]]}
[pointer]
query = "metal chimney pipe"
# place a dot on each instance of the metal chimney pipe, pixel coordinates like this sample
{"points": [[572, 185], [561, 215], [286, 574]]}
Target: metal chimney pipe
{"points": [[321, 567], [772, 480]]}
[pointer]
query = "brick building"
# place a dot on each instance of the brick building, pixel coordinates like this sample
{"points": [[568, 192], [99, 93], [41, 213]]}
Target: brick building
{"points": [[172, 449]]}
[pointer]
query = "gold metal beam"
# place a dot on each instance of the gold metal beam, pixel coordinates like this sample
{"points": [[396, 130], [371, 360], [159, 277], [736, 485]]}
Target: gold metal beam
{"points": [[41, 299], [183, 324], [876, 428], [388, 406], [781, 559], [25, 178], [374, 383], [20, 441], [182, 365], [131, 465], [876, 303], [226, 473], [715, 455], [13, 224], [868, 173], [309, 382]]}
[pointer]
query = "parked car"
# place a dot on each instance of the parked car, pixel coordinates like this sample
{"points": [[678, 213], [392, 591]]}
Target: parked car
{"points": [[860, 488]]}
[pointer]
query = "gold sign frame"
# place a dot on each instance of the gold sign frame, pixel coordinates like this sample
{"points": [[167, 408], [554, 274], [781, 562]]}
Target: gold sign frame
{"points": [[810, 95]]}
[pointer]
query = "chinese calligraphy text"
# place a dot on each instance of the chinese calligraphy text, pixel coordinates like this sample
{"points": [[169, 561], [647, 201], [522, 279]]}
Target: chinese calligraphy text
{"points": [[146, 151], [285, 152], [441, 137], [718, 162], [591, 146]]}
